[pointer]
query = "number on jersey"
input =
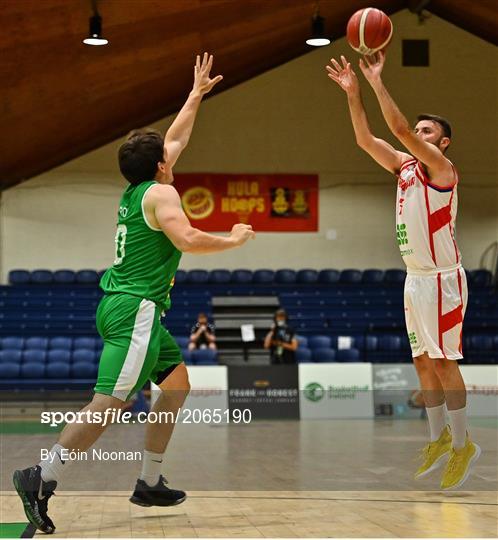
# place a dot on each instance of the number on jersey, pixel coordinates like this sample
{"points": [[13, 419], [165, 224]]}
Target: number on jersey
{"points": [[120, 244]]}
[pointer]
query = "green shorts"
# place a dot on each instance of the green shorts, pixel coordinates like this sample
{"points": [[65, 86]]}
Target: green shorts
{"points": [[137, 347]]}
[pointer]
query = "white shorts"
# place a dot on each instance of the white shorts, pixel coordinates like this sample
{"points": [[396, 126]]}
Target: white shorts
{"points": [[435, 304]]}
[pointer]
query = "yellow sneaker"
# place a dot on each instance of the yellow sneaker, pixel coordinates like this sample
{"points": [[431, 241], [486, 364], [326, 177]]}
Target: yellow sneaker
{"points": [[434, 453], [458, 467]]}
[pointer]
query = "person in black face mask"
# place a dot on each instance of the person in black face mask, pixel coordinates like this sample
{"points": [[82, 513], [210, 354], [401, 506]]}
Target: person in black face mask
{"points": [[281, 340]]}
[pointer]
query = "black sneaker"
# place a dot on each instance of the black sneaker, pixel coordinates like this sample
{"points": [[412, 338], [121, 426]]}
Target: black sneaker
{"points": [[158, 495], [35, 493]]}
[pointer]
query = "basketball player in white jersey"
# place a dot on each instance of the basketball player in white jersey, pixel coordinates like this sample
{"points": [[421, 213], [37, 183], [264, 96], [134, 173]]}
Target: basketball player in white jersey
{"points": [[435, 288]]}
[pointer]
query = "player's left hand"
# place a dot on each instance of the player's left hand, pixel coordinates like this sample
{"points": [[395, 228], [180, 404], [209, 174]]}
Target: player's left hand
{"points": [[371, 66], [202, 81]]}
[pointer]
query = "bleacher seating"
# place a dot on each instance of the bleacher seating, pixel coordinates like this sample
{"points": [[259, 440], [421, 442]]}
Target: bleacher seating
{"points": [[204, 357], [48, 333], [323, 354]]}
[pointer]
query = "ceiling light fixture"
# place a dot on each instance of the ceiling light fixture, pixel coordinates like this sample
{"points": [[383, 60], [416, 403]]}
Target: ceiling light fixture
{"points": [[95, 32], [318, 37]]}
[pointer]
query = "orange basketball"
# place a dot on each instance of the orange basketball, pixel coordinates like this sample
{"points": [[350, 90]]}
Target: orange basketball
{"points": [[369, 30]]}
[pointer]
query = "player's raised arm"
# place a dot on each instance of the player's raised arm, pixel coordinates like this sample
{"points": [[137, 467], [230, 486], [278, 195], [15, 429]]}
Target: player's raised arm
{"points": [[178, 134], [172, 220], [429, 154], [380, 150]]}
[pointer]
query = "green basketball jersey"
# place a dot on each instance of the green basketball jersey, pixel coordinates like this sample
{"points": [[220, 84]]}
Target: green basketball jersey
{"points": [[146, 260]]}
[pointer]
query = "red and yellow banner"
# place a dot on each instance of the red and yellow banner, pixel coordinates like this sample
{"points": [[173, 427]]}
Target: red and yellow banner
{"points": [[269, 202]]}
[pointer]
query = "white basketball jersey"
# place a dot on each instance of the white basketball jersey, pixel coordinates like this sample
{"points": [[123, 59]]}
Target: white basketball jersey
{"points": [[425, 220]]}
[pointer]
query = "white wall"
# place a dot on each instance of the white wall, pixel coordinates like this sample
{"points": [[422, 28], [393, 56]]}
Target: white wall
{"points": [[290, 119]]}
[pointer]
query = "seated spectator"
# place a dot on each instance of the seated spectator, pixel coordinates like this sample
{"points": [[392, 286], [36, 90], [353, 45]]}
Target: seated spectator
{"points": [[281, 340], [202, 334]]}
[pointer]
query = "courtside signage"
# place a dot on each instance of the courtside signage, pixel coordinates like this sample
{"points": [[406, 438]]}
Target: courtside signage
{"points": [[208, 388], [268, 202], [482, 390], [336, 390], [397, 391]]}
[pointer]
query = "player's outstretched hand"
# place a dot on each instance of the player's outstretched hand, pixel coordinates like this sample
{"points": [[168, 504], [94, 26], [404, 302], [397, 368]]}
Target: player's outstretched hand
{"points": [[371, 66], [202, 81], [343, 75], [241, 233]]}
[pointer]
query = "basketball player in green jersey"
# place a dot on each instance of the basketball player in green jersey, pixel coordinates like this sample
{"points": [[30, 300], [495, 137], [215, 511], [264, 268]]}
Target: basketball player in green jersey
{"points": [[152, 233]]}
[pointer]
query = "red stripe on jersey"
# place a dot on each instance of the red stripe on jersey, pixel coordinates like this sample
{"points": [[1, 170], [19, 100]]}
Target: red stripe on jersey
{"points": [[440, 312], [457, 257], [431, 234], [461, 305], [405, 164], [452, 318], [439, 219]]}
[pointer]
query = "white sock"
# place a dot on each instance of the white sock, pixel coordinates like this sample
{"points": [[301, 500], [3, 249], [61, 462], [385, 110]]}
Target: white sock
{"points": [[458, 423], [437, 420], [151, 468], [53, 466]]}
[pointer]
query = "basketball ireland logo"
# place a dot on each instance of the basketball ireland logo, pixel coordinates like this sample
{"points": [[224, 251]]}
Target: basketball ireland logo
{"points": [[314, 391]]}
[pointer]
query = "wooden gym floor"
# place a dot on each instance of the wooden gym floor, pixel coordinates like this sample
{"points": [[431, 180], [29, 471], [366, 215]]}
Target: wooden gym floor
{"points": [[337, 478]]}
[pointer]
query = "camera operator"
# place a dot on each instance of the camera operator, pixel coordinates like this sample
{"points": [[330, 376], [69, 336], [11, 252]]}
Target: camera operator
{"points": [[281, 340]]}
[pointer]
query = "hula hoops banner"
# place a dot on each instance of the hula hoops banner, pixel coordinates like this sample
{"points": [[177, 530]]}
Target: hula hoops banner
{"points": [[268, 202]]}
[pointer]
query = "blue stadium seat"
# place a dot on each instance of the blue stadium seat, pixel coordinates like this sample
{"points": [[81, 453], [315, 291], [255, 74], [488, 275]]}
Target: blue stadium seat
{"points": [[323, 354], [87, 277], [482, 342], [307, 276], [480, 278], [83, 355], [100, 273], [57, 370], [180, 277], [348, 355], [372, 277], [60, 342], [83, 370], [303, 355], [204, 357], [394, 276], [19, 277], [302, 341], [33, 370], [219, 276], [13, 343], [42, 277], [242, 276], [285, 276], [36, 343], [10, 356], [198, 277], [263, 276], [58, 356], [34, 356], [319, 342], [329, 276], [350, 276], [84, 343], [390, 343], [64, 277], [9, 370], [358, 342], [371, 343], [187, 357], [182, 342]]}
